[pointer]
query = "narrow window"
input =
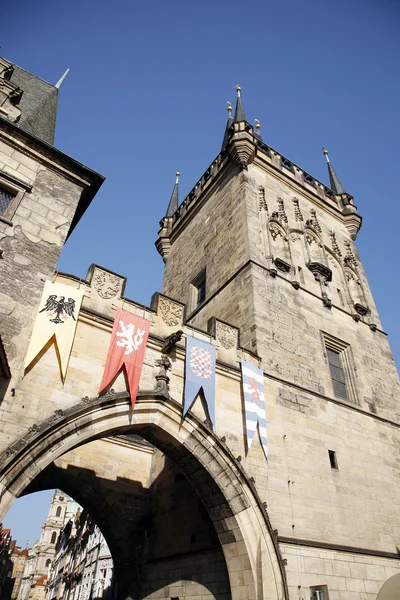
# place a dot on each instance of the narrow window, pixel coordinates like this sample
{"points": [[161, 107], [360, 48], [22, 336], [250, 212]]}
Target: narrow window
{"points": [[301, 275], [53, 538], [333, 459], [6, 198], [341, 367], [199, 289], [337, 373], [58, 513]]}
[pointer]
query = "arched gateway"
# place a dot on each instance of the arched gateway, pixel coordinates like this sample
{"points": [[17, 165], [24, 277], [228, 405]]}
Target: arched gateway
{"points": [[250, 548]]}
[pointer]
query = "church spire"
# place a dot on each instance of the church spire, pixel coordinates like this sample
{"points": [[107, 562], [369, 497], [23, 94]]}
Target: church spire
{"points": [[336, 185], [239, 112], [228, 125], [173, 203]]}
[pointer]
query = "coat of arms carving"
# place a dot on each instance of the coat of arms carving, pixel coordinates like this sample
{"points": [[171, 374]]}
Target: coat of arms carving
{"points": [[106, 285], [171, 313], [226, 336]]}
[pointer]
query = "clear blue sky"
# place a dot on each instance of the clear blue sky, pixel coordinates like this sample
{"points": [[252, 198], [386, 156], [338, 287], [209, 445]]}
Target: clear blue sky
{"points": [[147, 94]]}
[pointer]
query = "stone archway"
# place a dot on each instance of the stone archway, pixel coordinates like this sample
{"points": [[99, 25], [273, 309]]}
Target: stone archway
{"points": [[250, 548]]}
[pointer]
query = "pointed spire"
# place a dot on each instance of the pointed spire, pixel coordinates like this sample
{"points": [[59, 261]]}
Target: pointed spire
{"points": [[173, 203], [228, 125], [239, 112], [61, 80], [336, 186]]}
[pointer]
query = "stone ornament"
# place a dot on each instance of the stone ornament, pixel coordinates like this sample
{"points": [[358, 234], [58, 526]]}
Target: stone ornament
{"points": [[106, 284], [226, 336], [171, 313]]}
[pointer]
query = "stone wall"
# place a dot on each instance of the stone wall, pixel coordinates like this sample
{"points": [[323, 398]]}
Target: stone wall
{"points": [[47, 188]]}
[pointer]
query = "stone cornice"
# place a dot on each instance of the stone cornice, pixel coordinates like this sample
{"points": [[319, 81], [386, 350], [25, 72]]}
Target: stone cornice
{"points": [[54, 159]]}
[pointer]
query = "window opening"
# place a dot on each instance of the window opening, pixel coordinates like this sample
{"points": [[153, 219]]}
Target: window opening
{"points": [[341, 367], [199, 289], [5, 200], [337, 373], [333, 459], [53, 538], [301, 275], [319, 592], [58, 513]]}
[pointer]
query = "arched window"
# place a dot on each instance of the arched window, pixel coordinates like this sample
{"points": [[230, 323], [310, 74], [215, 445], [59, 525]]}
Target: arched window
{"points": [[58, 513], [48, 562], [53, 537]]}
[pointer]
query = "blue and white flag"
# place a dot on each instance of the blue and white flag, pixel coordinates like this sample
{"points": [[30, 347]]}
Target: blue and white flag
{"points": [[200, 374], [254, 402]]}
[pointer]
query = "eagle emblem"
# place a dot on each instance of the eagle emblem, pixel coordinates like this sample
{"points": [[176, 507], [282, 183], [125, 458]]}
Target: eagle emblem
{"points": [[57, 308]]}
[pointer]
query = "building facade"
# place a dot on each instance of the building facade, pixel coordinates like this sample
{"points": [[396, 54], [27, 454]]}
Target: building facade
{"points": [[82, 568], [19, 558], [40, 556], [260, 262]]}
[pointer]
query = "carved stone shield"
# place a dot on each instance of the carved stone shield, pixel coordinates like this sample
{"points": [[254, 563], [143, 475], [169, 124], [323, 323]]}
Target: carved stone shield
{"points": [[106, 285]]}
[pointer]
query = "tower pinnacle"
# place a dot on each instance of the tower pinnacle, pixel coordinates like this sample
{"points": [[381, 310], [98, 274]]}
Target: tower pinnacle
{"points": [[336, 185], [61, 80], [239, 112], [173, 203], [228, 124]]}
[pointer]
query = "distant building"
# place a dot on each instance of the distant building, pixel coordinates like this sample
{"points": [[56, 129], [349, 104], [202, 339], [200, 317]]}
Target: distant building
{"points": [[40, 556], [19, 558], [82, 567], [7, 545]]}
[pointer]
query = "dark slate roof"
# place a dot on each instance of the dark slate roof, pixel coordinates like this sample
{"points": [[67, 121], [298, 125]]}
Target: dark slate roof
{"points": [[336, 185], [239, 112], [38, 105], [173, 203], [227, 128]]}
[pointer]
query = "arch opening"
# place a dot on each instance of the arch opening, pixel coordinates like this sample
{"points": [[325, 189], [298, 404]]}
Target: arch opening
{"points": [[203, 460]]}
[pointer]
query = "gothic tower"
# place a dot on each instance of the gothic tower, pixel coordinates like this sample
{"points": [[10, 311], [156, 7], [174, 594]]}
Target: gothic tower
{"points": [[43, 195], [272, 251]]}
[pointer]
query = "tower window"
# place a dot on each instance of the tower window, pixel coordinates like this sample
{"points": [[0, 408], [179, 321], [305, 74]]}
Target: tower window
{"points": [[58, 513], [333, 459], [53, 538], [341, 368], [5, 200], [337, 373], [199, 289]]}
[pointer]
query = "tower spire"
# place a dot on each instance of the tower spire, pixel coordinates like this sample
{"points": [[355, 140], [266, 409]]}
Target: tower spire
{"points": [[239, 112], [61, 80], [228, 125], [173, 203], [336, 185]]}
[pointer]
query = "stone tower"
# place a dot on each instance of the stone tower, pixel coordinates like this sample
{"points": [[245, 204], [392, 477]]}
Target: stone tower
{"points": [[272, 252], [43, 195]]}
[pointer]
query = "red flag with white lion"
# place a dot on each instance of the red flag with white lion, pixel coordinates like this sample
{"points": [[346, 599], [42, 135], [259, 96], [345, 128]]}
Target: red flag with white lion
{"points": [[128, 344]]}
